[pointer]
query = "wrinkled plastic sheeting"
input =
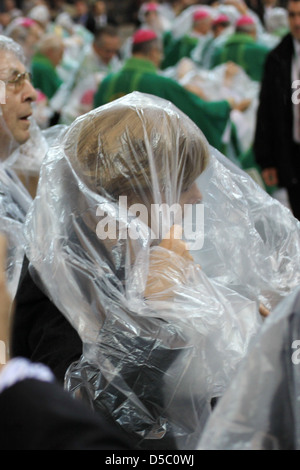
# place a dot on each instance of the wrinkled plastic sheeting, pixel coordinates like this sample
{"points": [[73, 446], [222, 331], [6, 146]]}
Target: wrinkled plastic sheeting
{"points": [[215, 86], [276, 19], [260, 410], [184, 21], [154, 365], [213, 82], [81, 99], [252, 242], [14, 204], [27, 158]]}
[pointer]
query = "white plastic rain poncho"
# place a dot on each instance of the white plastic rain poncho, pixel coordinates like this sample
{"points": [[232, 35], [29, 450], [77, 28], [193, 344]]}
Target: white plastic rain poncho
{"points": [[260, 410], [162, 336]]}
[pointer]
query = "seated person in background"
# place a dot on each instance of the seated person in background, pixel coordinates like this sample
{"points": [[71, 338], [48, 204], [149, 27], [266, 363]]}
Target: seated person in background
{"points": [[203, 52], [219, 24], [49, 54], [151, 16], [15, 112], [140, 73], [98, 59], [156, 339], [201, 32], [42, 15], [242, 49], [102, 54], [84, 15], [99, 10], [27, 33]]}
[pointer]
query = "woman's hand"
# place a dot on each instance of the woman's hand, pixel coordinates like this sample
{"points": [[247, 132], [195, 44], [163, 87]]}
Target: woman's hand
{"points": [[5, 306], [167, 266]]}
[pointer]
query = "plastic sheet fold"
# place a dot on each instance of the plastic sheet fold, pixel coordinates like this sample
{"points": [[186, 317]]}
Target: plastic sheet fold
{"points": [[260, 410], [14, 204]]}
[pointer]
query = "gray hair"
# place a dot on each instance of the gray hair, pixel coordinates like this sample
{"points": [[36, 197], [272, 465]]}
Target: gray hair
{"points": [[9, 45], [48, 42], [246, 28]]}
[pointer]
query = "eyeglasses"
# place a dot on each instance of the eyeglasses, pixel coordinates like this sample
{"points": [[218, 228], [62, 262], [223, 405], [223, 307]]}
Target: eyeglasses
{"points": [[18, 80]]}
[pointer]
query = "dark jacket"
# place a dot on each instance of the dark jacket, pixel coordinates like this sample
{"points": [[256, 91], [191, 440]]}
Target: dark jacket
{"points": [[38, 415], [273, 143], [40, 332]]}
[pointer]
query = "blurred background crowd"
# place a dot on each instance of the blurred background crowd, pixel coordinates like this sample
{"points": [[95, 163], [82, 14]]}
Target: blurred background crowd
{"points": [[215, 50]]}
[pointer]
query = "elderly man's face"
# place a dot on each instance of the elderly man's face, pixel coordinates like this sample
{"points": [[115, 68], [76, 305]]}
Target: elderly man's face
{"points": [[108, 48], [17, 109], [294, 18]]}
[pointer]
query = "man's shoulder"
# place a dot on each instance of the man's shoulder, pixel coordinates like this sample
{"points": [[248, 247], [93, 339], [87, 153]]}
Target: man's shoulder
{"points": [[167, 81], [41, 61], [284, 49], [258, 48]]}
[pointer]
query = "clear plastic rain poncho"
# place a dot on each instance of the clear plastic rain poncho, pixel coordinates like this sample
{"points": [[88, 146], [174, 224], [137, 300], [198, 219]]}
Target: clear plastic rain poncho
{"points": [[14, 198], [164, 329], [27, 158], [260, 410], [24, 161], [14, 204], [16, 159]]}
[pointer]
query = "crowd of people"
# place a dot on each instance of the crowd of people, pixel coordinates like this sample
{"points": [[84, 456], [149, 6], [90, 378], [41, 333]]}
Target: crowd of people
{"points": [[149, 203]]}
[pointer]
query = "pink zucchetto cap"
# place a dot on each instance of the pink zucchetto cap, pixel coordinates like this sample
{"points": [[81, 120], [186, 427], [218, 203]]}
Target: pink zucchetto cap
{"points": [[245, 20], [150, 7], [200, 15], [25, 22], [221, 19], [143, 35]]}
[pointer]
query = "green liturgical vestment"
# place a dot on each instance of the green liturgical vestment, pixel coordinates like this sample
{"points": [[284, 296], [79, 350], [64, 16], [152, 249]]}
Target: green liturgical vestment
{"points": [[141, 75]]}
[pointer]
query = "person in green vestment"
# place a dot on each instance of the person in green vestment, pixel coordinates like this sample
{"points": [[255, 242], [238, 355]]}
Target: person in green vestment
{"points": [[243, 49], [178, 48], [140, 73], [221, 29], [49, 54]]}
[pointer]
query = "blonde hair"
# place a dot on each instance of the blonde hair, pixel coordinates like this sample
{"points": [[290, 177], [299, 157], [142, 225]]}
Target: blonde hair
{"points": [[123, 149]]}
